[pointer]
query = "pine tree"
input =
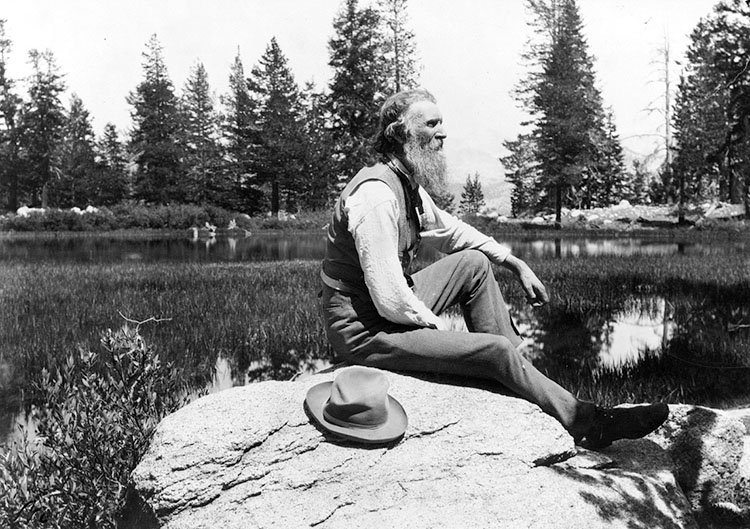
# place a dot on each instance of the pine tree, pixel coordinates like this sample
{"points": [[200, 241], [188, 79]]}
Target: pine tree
{"points": [[241, 138], [713, 109], [77, 184], [472, 197], [640, 184], [112, 164], [522, 170], [700, 122], [610, 186], [399, 48], [278, 160], [318, 185], [358, 86], [569, 121], [42, 125], [154, 139], [731, 44], [10, 130], [200, 139]]}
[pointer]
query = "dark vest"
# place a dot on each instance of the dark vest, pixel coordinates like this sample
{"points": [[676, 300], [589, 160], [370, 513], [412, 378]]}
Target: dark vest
{"points": [[341, 264]]}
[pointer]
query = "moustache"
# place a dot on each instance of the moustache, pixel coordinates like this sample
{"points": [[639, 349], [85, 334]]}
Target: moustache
{"points": [[435, 144]]}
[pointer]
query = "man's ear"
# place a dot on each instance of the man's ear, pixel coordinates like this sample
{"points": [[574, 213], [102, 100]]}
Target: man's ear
{"points": [[396, 131]]}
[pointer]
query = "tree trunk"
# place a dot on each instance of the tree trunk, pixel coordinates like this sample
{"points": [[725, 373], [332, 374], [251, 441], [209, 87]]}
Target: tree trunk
{"points": [[45, 195], [13, 191], [558, 206], [275, 198], [681, 203], [735, 187]]}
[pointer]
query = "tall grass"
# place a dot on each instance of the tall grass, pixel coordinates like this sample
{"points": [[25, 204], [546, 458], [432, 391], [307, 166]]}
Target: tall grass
{"points": [[262, 317]]}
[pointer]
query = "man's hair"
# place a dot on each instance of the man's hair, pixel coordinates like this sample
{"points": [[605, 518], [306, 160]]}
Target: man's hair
{"points": [[392, 128]]}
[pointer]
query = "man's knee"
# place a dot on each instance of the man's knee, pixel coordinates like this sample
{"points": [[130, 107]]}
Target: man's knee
{"points": [[477, 268], [475, 261], [503, 353]]}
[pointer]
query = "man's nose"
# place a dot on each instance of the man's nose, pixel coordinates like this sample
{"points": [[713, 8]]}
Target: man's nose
{"points": [[440, 132]]}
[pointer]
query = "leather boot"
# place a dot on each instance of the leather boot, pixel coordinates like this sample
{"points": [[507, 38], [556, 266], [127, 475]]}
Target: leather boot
{"points": [[610, 424]]}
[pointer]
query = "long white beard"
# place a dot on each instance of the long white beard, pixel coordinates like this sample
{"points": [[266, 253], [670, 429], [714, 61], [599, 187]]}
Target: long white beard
{"points": [[428, 164]]}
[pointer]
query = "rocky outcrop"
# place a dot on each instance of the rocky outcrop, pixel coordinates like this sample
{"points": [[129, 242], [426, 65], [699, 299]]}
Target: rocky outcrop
{"points": [[706, 446], [249, 457]]}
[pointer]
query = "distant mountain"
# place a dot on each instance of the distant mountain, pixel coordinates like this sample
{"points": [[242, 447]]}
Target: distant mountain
{"points": [[464, 160]]}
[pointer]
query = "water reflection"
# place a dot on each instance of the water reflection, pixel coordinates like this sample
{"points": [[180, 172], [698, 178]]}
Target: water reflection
{"points": [[625, 247], [643, 328], [685, 348], [102, 248], [642, 343], [266, 247]]}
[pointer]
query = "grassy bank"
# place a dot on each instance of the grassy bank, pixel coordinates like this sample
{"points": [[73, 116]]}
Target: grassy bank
{"points": [[130, 216], [135, 216], [263, 318]]}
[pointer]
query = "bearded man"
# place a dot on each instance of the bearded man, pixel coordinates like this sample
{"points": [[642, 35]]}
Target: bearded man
{"points": [[378, 315]]}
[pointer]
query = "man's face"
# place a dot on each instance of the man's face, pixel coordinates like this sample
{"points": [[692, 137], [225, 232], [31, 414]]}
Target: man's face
{"points": [[423, 150], [426, 124]]}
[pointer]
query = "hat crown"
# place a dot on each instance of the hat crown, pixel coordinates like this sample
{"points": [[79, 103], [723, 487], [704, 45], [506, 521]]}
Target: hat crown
{"points": [[359, 398]]}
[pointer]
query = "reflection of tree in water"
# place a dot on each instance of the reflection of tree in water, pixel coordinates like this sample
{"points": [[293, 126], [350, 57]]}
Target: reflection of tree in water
{"points": [[709, 351], [702, 356], [566, 342]]}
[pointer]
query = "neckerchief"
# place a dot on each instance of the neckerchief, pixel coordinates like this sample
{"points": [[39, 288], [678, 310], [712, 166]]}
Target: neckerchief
{"points": [[412, 192]]}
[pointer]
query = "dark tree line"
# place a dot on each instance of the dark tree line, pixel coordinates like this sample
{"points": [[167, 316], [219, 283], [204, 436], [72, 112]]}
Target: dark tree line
{"points": [[267, 144], [571, 154], [712, 111]]}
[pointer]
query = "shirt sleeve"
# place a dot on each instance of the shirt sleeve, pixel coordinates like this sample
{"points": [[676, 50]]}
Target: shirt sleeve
{"points": [[373, 215], [448, 234]]}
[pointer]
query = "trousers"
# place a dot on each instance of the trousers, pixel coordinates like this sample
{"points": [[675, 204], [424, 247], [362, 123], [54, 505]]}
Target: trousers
{"points": [[359, 335]]}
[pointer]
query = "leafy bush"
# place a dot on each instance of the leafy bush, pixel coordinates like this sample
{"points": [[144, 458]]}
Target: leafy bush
{"points": [[135, 215], [302, 221], [96, 415]]}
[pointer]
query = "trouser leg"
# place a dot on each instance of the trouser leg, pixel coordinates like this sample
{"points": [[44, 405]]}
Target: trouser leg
{"points": [[360, 335], [480, 355], [466, 278]]}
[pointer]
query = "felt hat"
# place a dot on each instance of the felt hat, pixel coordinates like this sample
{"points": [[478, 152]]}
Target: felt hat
{"points": [[356, 406]]}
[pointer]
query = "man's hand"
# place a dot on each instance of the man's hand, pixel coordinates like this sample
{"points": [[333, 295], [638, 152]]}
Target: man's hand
{"points": [[536, 294]]}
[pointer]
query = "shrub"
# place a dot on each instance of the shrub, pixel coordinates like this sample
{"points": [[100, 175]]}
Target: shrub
{"points": [[135, 215], [96, 415]]}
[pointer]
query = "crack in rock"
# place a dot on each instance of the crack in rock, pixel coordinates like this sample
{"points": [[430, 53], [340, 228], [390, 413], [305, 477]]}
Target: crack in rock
{"points": [[239, 480], [425, 433], [313, 524]]}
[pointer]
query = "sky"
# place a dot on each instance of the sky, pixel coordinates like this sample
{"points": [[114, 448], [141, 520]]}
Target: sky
{"points": [[470, 51]]}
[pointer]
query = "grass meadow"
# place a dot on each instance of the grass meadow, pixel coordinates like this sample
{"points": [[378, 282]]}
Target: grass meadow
{"points": [[262, 317], [97, 395]]}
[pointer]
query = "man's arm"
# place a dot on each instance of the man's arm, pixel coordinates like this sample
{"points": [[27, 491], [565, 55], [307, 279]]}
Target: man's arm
{"points": [[449, 234], [373, 222], [536, 294]]}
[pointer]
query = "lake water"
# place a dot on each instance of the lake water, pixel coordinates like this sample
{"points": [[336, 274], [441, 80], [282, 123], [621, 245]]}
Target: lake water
{"points": [[700, 344], [268, 247]]}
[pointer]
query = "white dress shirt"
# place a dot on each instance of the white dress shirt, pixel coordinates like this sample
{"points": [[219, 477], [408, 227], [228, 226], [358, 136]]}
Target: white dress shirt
{"points": [[373, 214]]}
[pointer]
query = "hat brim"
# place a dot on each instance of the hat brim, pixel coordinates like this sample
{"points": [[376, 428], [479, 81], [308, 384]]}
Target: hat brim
{"points": [[394, 427]]}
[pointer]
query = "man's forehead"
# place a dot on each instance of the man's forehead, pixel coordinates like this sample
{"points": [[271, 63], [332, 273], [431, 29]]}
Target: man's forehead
{"points": [[425, 110]]}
